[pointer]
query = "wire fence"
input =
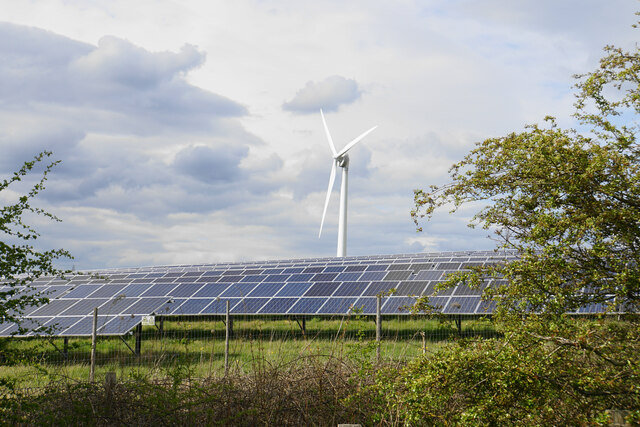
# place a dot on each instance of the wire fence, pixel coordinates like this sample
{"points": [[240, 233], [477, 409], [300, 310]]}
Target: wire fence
{"points": [[214, 345]]}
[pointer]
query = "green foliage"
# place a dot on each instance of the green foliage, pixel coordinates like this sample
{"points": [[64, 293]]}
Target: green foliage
{"points": [[496, 382], [20, 262], [568, 204]]}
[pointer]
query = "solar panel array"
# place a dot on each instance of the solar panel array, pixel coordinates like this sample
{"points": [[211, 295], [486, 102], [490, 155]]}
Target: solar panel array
{"points": [[302, 287]]}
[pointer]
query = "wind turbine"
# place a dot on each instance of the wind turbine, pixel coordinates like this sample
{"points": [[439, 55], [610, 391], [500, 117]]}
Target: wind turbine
{"points": [[340, 159]]}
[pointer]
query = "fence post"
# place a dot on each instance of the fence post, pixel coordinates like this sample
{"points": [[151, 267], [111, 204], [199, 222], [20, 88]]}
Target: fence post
{"points": [[138, 335], [378, 326], [226, 341], [94, 333]]}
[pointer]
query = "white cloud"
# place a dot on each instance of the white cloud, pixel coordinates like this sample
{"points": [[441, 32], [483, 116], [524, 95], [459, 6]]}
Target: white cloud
{"points": [[329, 94]]}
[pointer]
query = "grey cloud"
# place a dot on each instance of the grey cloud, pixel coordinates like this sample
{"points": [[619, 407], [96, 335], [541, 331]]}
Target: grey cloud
{"points": [[328, 94], [114, 77], [112, 113], [123, 63], [210, 165]]}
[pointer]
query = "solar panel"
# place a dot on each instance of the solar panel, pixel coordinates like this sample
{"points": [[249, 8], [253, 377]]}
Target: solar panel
{"points": [[311, 286], [278, 305], [249, 305]]}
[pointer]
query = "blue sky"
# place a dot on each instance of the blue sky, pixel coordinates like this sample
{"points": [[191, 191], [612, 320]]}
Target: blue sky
{"points": [[189, 131]]}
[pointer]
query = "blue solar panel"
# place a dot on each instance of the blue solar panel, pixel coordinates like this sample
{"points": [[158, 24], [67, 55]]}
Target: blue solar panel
{"points": [[278, 305], [186, 290], [108, 291], [377, 288], [53, 308], [116, 305], [192, 306], [211, 290], [351, 289], [430, 289], [56, 290], [397, 305], [348, 277], [28, 324], [146, 305], [307, 306], [159, 290], [135, 290], [438, 303], [366, 305], [85, 326], [377, 267], [324, 277], [256, 278], [266, 290], [229, 279], [429, 275], [238, 290], [337, 306], [59, 324], [249, 305], [293, 289], [372, 275], [327, 286], [84, 307], [415, 287], [466, 290], [119, 325], [462, 305], [219, 306], [322, 289], [302, 277]]}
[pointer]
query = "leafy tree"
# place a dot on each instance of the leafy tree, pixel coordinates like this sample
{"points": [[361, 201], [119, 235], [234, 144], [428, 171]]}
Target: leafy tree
{"points": [[567, 202], [20, 262]]}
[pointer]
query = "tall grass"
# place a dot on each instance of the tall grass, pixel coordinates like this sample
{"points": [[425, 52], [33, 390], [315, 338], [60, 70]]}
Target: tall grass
{"points": [[257, 342]]}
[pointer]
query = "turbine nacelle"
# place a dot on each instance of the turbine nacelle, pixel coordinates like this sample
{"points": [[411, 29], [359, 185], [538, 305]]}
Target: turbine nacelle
{"points": [[340, 159]]}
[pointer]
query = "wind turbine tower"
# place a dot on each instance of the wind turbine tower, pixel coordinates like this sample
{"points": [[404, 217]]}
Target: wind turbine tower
{"points": [[340, 160]]}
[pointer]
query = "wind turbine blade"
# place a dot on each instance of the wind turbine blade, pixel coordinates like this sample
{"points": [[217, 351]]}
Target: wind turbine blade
{"points": [[326, 129], [332, 178], [354, 142]]}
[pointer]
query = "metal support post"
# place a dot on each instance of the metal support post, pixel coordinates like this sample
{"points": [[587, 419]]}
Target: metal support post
{"points": [[94, 335], [65, 348], [378, 325], [138, 335], [226, 340]]}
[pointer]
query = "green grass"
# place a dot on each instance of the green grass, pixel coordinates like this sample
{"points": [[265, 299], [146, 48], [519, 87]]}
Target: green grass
{"points": [[198, 345]]}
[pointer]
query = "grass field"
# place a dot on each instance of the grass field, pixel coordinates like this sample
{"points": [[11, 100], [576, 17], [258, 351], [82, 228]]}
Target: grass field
{"points": [[196, 346]]}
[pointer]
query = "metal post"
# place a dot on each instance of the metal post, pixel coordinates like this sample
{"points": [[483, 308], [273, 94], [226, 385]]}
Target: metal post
{"points": [[94, 335], [138, 335], [378, 325], [65, 349], [226, 341]]}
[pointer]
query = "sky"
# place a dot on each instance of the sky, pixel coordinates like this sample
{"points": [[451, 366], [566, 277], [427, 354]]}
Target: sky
{"points": [[189, 131]]}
